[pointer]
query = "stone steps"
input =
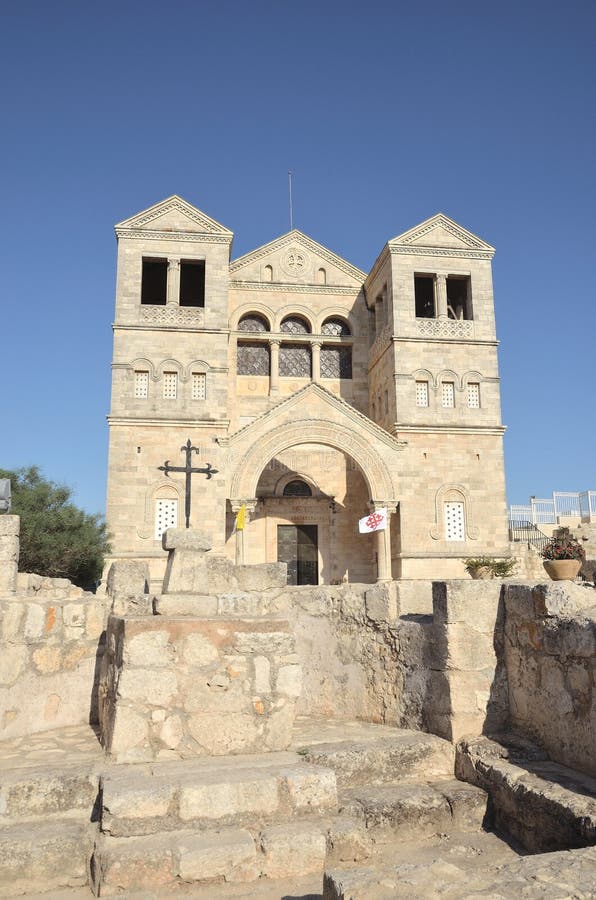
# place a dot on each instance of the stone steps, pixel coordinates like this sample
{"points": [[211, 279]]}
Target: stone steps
{"points": [[550, 876], [391, 756], [404, 811], [41, 856], [231, 855], [543, 805], [47, 792], [272, 816], [250, 790]]}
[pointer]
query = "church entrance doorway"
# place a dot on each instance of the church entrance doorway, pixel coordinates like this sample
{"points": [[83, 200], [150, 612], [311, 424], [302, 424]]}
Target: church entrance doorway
{"points": [[297, 546]]}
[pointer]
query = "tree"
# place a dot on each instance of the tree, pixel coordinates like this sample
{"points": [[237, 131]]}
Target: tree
{"points": [[57, 538]]}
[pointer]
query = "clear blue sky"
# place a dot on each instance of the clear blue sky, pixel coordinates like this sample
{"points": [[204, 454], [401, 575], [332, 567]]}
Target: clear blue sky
{"points": [[386, 113]]}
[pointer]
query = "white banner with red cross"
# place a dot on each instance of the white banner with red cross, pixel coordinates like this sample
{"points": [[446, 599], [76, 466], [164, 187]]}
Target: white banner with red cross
{"points": [[375, 521]]}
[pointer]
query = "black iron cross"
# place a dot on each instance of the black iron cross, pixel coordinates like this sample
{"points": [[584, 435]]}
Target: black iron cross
{"points": [[188, 470]]}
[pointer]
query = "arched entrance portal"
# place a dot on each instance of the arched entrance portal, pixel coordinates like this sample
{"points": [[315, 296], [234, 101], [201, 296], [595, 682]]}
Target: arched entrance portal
{"points": [[304, 486]]}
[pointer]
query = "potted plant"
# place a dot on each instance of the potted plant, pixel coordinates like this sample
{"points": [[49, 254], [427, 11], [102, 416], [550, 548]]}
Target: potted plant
{"points": [[488, 567], [563, 556]]}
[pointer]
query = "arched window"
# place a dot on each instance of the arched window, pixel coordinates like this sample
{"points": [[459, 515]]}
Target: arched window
{"points": [[297, 488], [335, 326], [268, 273], [295, 325], [253, 322]]}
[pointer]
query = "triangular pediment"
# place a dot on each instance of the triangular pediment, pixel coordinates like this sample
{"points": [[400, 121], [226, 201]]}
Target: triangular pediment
{"points": [[295, 258], [441, 232], [173, 215], [313, 402]]}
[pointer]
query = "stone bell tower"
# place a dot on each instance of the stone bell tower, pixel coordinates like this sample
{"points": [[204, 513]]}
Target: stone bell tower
{"points": [[434, 382], [169, 373]]}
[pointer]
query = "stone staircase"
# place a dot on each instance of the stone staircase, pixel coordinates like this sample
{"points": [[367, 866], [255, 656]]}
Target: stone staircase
{"points": [[542, 804], [371, 811], [279, 815], [46, 827]]}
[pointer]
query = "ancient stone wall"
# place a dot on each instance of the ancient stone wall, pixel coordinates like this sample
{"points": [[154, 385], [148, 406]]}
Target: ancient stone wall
{"points": [[550, 653], [51, 643]]}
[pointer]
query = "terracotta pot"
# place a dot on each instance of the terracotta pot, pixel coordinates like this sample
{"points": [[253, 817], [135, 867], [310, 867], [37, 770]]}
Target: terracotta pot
{"points": [[562, 569], [483, 573]]}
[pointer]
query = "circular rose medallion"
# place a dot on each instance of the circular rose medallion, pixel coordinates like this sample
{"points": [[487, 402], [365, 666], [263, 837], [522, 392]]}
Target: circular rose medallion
{"points": [[295, 262]]}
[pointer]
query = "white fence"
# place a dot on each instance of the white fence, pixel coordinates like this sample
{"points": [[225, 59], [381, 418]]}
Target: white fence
{"points": [[564, 504]]}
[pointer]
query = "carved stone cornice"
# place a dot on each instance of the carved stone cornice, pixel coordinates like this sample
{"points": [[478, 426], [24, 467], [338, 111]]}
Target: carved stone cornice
{"points": [[178, 236], [441, 251], [191, 421], [450, 429], [286, 287]]}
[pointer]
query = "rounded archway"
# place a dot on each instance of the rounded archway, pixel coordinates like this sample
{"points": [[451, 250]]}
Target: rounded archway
{"points": [[243, 483]]}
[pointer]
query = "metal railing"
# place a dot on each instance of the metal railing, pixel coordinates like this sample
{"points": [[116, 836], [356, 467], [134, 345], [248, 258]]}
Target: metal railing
{"points": [[548, 511], [527, 533], [587, 505]]}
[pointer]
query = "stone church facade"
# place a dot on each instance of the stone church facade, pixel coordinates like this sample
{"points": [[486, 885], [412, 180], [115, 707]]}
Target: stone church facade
{"points": [[317, 391]]}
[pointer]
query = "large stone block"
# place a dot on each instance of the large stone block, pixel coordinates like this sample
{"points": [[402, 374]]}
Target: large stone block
{"points": [[192, 687], [293, 850], [228, 855]]}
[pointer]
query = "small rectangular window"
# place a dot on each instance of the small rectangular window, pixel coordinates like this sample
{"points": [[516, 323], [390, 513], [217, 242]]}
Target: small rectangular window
{"points": [[166, 516], [386, 403], [170, 385], [454, 522], [474, 395], [192, 282], [448, 394], [142, 385], [154, 282], [422, 393], [199, 385], [424, 293]]}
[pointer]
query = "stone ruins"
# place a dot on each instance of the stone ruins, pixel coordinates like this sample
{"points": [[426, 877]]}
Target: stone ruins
{"points": [[232, 736]]}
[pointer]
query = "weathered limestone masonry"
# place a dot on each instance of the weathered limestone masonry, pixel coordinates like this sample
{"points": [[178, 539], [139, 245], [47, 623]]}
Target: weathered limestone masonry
{"points": [[51, 642], [209, 781], [319, 392], [207, 675], [550, 652]]}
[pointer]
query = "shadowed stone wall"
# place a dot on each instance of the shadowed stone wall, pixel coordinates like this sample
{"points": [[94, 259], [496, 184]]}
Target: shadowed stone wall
{"points": [[550, 652]]}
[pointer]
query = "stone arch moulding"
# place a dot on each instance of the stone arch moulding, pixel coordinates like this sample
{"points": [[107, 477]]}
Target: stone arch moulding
{"points": [[246, 309], [161, 486], [141, 363], [336, 312], [459, 493], [470, 376], [302, 312], [296, 476], [247, 470], [167, 365], [197, 365]]}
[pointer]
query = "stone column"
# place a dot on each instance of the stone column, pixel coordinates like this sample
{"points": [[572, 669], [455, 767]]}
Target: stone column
{"points": [[241, 545], [9, 553], [173, 282], [441, 296], [316, 362], [274, 363], [383, 539]]}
